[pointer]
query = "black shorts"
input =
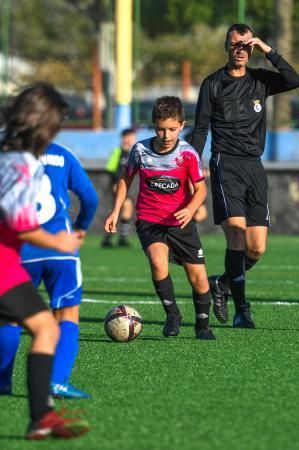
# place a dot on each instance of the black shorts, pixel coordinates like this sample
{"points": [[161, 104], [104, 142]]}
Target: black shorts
{"points": [[184, 244], [239, 189], [20, 303]]}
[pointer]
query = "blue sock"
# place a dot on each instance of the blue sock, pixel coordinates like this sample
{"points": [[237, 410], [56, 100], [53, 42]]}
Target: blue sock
{"points": [[66, 352], [9, 343]]}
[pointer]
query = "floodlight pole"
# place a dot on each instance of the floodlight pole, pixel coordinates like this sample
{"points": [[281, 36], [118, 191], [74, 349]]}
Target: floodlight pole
{"points": [[241, 10], [136, 48], [124, 19]]}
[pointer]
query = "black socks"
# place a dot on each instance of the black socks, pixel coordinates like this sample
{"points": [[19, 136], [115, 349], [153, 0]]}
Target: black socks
{"points": [[202, 305], [124, 227], [234, 268], [249, 262], [38, 381], [223, 279], [165, 292]]}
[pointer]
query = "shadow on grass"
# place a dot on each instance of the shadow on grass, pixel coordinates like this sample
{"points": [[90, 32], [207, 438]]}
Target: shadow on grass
{"points": [[99, 320], [18, 396], [127, 294], [106, 341], [142, 337], [147, 294], [11, 438], [166, 339], [109, 341]]}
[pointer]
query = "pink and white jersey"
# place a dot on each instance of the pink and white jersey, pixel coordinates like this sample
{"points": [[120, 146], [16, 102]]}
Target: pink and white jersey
{"points": [[163, 179], [20, 178]]}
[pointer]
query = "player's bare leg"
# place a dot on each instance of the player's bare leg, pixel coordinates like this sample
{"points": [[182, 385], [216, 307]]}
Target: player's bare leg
{"points": [[70, 313], [256, 243]]}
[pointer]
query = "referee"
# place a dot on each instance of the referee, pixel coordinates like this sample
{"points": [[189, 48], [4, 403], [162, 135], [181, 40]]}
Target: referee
{"points": [[232, 101]]}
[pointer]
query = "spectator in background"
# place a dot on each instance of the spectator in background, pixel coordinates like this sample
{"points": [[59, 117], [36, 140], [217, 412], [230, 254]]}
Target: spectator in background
{"points": [[115, 165]]}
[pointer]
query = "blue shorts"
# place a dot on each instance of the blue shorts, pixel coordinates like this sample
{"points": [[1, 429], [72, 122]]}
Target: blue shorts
{"points": [[62, 278]]}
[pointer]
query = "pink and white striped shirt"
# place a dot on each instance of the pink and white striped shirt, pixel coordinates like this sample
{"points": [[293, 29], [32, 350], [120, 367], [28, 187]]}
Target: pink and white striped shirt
{"points": [[163, 179]]}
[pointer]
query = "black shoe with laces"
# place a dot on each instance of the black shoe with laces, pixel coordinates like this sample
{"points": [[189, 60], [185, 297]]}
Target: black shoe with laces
{"points": [[243, 319], [220, 299], [123, 242], [204, 333], [106, 243], [172, 325]]}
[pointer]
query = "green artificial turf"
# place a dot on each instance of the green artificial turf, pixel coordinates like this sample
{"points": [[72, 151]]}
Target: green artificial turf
{"points": [[239, 392]]}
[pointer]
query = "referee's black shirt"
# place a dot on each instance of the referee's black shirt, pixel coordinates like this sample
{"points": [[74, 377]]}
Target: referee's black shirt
{"points": [[235, 107]]}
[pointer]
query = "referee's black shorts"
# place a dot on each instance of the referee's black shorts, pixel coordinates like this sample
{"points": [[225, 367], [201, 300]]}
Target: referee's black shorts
{"points": [[239, 189], [19, 303], [183, 243]]}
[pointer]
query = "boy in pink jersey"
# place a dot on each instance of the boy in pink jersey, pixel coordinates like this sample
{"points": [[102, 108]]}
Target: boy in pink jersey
{"points": [[32, 121], [167, 168]]}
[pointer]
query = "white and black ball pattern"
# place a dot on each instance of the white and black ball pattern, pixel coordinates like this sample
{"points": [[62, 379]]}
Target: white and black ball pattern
{"points": [[123, 323]]}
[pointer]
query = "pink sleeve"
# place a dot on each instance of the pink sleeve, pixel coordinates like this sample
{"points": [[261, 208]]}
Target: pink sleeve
{"points": [[194, 167]]}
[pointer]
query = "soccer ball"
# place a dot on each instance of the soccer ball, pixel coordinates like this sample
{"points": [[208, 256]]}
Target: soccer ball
{"points": [[123, 323]]}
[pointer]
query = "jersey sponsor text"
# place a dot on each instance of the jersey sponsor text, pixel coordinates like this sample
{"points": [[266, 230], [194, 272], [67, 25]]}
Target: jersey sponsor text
{"points": [[163, 184]]}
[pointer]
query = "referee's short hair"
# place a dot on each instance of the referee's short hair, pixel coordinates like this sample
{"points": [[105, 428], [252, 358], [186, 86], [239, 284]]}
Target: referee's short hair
{"points": [[240, 28]]}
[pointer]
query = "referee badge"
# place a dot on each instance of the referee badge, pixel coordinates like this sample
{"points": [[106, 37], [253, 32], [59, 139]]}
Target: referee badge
{"points": [[257, 106]]}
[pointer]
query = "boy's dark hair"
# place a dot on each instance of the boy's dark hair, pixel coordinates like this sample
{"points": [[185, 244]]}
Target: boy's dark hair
{"points": [[127, 131], [240, 28], [168, 107], [33, 118]]}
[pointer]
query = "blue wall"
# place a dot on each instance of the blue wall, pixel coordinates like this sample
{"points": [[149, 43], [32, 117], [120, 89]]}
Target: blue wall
{"points": [[96, 145], [93, 145]]}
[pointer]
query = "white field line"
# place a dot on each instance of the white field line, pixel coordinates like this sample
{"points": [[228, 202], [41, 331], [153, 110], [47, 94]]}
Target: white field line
{"points": [[96, 268], [279, 268], [261, 267], [156, 302], [116, 279]]}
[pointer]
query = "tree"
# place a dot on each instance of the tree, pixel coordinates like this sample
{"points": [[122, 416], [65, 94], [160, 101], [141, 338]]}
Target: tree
{"points": [[59, 36], [163, 57], [56, 37], [283, 41]]}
